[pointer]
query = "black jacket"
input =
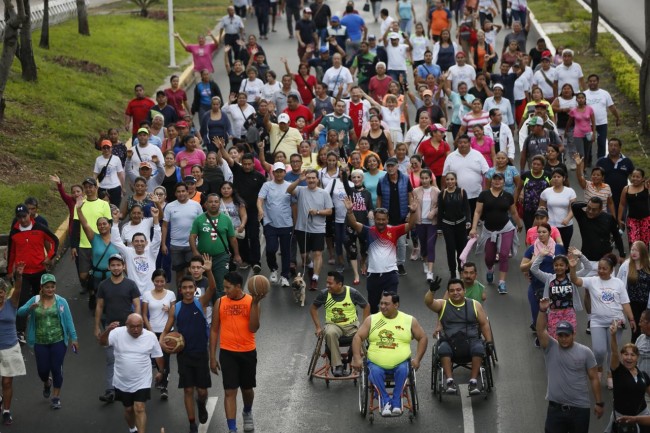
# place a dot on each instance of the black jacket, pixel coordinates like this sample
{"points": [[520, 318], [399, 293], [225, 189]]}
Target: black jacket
{"points": [[214, 90]]}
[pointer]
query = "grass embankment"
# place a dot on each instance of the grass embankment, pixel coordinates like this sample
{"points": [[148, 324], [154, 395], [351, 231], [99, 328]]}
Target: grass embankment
{"points": [[619, 74], [51, 125]]}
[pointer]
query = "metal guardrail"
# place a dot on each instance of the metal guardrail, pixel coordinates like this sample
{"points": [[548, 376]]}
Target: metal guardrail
{"points": [[60, 10]]}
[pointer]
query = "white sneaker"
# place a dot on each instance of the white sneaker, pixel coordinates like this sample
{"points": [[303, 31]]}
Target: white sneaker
{"points": [[397, 411], [425, 267], [284, 282], [429, 277], [274, 277], [386, 411]]}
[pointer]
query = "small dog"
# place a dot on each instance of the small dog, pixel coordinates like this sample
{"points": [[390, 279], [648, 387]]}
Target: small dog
{"points": [[298, 285]]}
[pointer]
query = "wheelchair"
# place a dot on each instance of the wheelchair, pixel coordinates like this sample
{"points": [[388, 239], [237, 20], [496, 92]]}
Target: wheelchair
{"points": [[320, 367], [485, 379], [369, 394]]}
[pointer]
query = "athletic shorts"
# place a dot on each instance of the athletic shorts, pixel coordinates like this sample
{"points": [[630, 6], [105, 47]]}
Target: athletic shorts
{"points": [[194, 370], [310, 241], [181, 257], [238, 369], [12, 363], [85, 259], [128, 398], [476, 348]]}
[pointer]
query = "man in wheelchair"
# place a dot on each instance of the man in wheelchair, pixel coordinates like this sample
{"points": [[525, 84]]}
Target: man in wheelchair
{"points": [[463, 321], [389, 333], [341, 319]]}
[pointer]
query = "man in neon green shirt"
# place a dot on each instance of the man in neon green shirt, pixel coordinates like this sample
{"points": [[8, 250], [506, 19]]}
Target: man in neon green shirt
{"points": [[389, 333]]}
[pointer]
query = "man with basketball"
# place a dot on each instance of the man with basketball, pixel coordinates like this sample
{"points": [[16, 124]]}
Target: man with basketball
{"points": [[188, 318], [133, 347], [235, 320]]}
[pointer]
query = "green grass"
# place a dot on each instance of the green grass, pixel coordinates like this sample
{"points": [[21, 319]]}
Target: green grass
{"points": [[50, 125], [553, 11]]}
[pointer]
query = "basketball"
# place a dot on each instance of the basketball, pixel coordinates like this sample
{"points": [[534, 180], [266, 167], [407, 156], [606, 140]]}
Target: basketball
{"points": [[173, 342], [258, 285]]}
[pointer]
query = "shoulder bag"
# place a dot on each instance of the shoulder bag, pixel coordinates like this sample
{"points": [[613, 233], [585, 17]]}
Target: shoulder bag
{"points": [[102, 172]]}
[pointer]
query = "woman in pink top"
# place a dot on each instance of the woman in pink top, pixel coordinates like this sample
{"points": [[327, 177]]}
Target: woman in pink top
{"points": [[201, 52], [185, 159], [582, 119], [484, 144]]}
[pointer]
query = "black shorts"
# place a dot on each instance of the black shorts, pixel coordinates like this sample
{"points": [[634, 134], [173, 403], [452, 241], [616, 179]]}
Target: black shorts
{"points": [[128, 398], [181, 257], [238, 369], [310, 241], [194, 370]]}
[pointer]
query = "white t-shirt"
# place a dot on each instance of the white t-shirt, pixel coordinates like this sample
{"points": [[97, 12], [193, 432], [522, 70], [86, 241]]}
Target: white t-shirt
{"points": [[181, 216], [158, 315], [420, 44], [336, 77], [469, 169], [458, 74], [111, 180], [253, 89], [383, 27], [268, 90], [570, 75], [132, 370], [392, 118], [599, 100], [412, 138], [607, 299], [146, 152], [558, 204], [521, 86], [539, 81], [139, 267], [129, 229], [397, 57]]}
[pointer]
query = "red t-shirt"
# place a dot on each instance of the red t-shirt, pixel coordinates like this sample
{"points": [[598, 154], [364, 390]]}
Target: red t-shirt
{"points": [[355, 112], [379, 88], [306, 91], [139, 110], [175, 99], [300, 111], [434, 159]]}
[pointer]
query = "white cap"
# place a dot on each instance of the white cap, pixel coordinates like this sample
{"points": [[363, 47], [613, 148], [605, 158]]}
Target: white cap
{"points": [[284, 118], [393, 35], [498, 85], [279, 166]]}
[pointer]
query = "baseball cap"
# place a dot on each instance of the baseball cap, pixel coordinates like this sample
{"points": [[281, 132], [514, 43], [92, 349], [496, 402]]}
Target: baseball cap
{"points": [[143, 131], [145, 164], [21, 209], [307, 10], [284, 118], [106, 143], [181, 124], [497, 174], [541, 212], [498, 85], [47, 278], [564, 327], [536, 121], [335, 19], [372, 37], [391, 161], [427, 93], [116, 257], [546, 54], [89, 180], [190, 179], [393, 35], [324, 50], [437, 127], [279, 166]]}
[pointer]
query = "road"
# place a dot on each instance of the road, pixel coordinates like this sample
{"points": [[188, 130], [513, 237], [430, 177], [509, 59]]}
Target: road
{"points": [[286, 402], [627, 20]]}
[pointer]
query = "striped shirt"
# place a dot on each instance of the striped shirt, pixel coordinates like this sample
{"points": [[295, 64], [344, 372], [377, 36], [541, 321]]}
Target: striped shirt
{"points": [[470, 120], [604, 192]]}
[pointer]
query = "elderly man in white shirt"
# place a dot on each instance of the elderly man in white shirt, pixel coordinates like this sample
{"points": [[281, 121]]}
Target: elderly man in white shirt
{"points": [[503, 104], [338, 75], [569, 72], [545, 77], [500, 133]]}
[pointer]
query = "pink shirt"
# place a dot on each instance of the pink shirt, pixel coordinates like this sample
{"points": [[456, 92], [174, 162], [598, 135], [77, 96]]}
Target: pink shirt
{"points": [[531, 235], [202, 56], [196, 157], [582, 121], [485, 149]]}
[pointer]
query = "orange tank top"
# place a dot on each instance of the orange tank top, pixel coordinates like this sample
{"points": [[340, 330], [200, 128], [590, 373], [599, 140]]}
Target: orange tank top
{"points": [[233, 320]]}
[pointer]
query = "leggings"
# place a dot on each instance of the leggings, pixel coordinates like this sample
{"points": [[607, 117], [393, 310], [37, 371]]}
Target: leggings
{"points": [[566, 233], [534, 297], [455, 241], [600, 339], [637, 309], [427, 233], [491, 251], [49, 359]]}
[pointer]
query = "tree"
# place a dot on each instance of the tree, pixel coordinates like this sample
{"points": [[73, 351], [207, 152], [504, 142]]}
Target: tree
{"points": [[144, 6], [82, 18], [593, 33], [45, 26], [13, 21], [25, 50], [644, 76]]}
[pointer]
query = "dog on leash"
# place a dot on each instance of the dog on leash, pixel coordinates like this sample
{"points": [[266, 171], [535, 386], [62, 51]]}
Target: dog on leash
{"points": [[298, 285]]}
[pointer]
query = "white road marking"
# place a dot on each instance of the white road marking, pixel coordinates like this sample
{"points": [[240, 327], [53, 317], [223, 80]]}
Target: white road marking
{"points": [[211, 406], [468, 415]]}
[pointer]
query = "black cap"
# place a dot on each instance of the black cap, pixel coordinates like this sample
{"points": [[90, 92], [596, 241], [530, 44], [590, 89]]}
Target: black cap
{"points": [[391, 161], [89, 180], [21, 210], [497, 174], [116, 257], [564, 327], [190, 179]]}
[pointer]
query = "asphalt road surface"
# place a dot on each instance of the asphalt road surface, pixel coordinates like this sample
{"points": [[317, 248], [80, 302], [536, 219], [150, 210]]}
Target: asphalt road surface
{"points": [[286, 402]]}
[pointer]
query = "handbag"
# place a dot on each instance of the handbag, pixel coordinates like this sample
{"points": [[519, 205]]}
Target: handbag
{"points": [[102, 172], [366, 7]]}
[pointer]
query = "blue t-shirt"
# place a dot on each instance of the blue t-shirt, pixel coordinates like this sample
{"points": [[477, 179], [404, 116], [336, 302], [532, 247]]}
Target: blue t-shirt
{"points": [[98, 246], [206, 93], [8, 338], [425, 70], [192, 324], [545, 266], [354, 24]]}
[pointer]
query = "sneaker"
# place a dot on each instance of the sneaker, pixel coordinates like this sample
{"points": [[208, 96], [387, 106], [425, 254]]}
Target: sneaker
{"points": [[415, 254], [108, 397], [489, 277], [164, 395], [195, 428], [502, 288], [21, 337], [429, 277], [386, 410], [338, 371], [203, 411], [314, 285], [425, 267], [473, 388], [401, 270], [588, 330], [532, 328], [257, 269], [55, 403], [451, 387], [284, 282], [397, 411], [47, 388], [340, 269], [536, 343], [248, 421], [244, 266], [6, 418], [273, 278]]}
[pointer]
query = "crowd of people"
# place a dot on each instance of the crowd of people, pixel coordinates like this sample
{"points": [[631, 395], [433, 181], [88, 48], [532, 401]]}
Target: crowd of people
{"points": [[360, 158]]}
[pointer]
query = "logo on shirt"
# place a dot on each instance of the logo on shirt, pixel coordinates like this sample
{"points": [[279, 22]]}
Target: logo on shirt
{"points": [[386, 340], [607, 296]]}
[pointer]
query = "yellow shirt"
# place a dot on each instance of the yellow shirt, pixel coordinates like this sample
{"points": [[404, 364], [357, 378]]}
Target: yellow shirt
{"points": [[390, 339]]}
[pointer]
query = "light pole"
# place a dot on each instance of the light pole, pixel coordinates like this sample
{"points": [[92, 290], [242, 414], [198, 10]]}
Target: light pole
{"points": [[170, 18]]}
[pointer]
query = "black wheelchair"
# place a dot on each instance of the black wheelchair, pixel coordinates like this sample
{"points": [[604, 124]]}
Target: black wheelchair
{"points": [[369, 394], [320, 367], [485, 379]]}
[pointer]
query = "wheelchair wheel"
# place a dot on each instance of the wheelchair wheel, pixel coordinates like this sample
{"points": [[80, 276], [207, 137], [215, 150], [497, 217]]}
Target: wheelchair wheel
{"points": [[489, 375], [314, 357], [363, 392], [440, 379], [413, 394], [434, 363]]}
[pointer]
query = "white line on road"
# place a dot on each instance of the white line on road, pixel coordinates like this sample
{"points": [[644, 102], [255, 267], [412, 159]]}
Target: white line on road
{"points": [[211, 406], [468, 415]]}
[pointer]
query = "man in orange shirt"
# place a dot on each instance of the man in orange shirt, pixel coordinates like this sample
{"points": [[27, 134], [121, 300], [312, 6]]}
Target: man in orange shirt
{"points": [[235, 320], [439, 19]]}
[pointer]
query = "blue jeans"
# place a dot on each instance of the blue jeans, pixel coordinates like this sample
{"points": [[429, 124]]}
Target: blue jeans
{"points": [[520, 16], [533, 300], [377, 376], [278, 237], [49, 359], [406, 25], [394, 74], [572, 420]]}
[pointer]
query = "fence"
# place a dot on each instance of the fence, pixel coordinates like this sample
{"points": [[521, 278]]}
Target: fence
{"points": [[60, 10]]}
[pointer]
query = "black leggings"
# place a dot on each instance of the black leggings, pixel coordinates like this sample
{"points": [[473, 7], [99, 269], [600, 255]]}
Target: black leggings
{"points": [[455, 241]]}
